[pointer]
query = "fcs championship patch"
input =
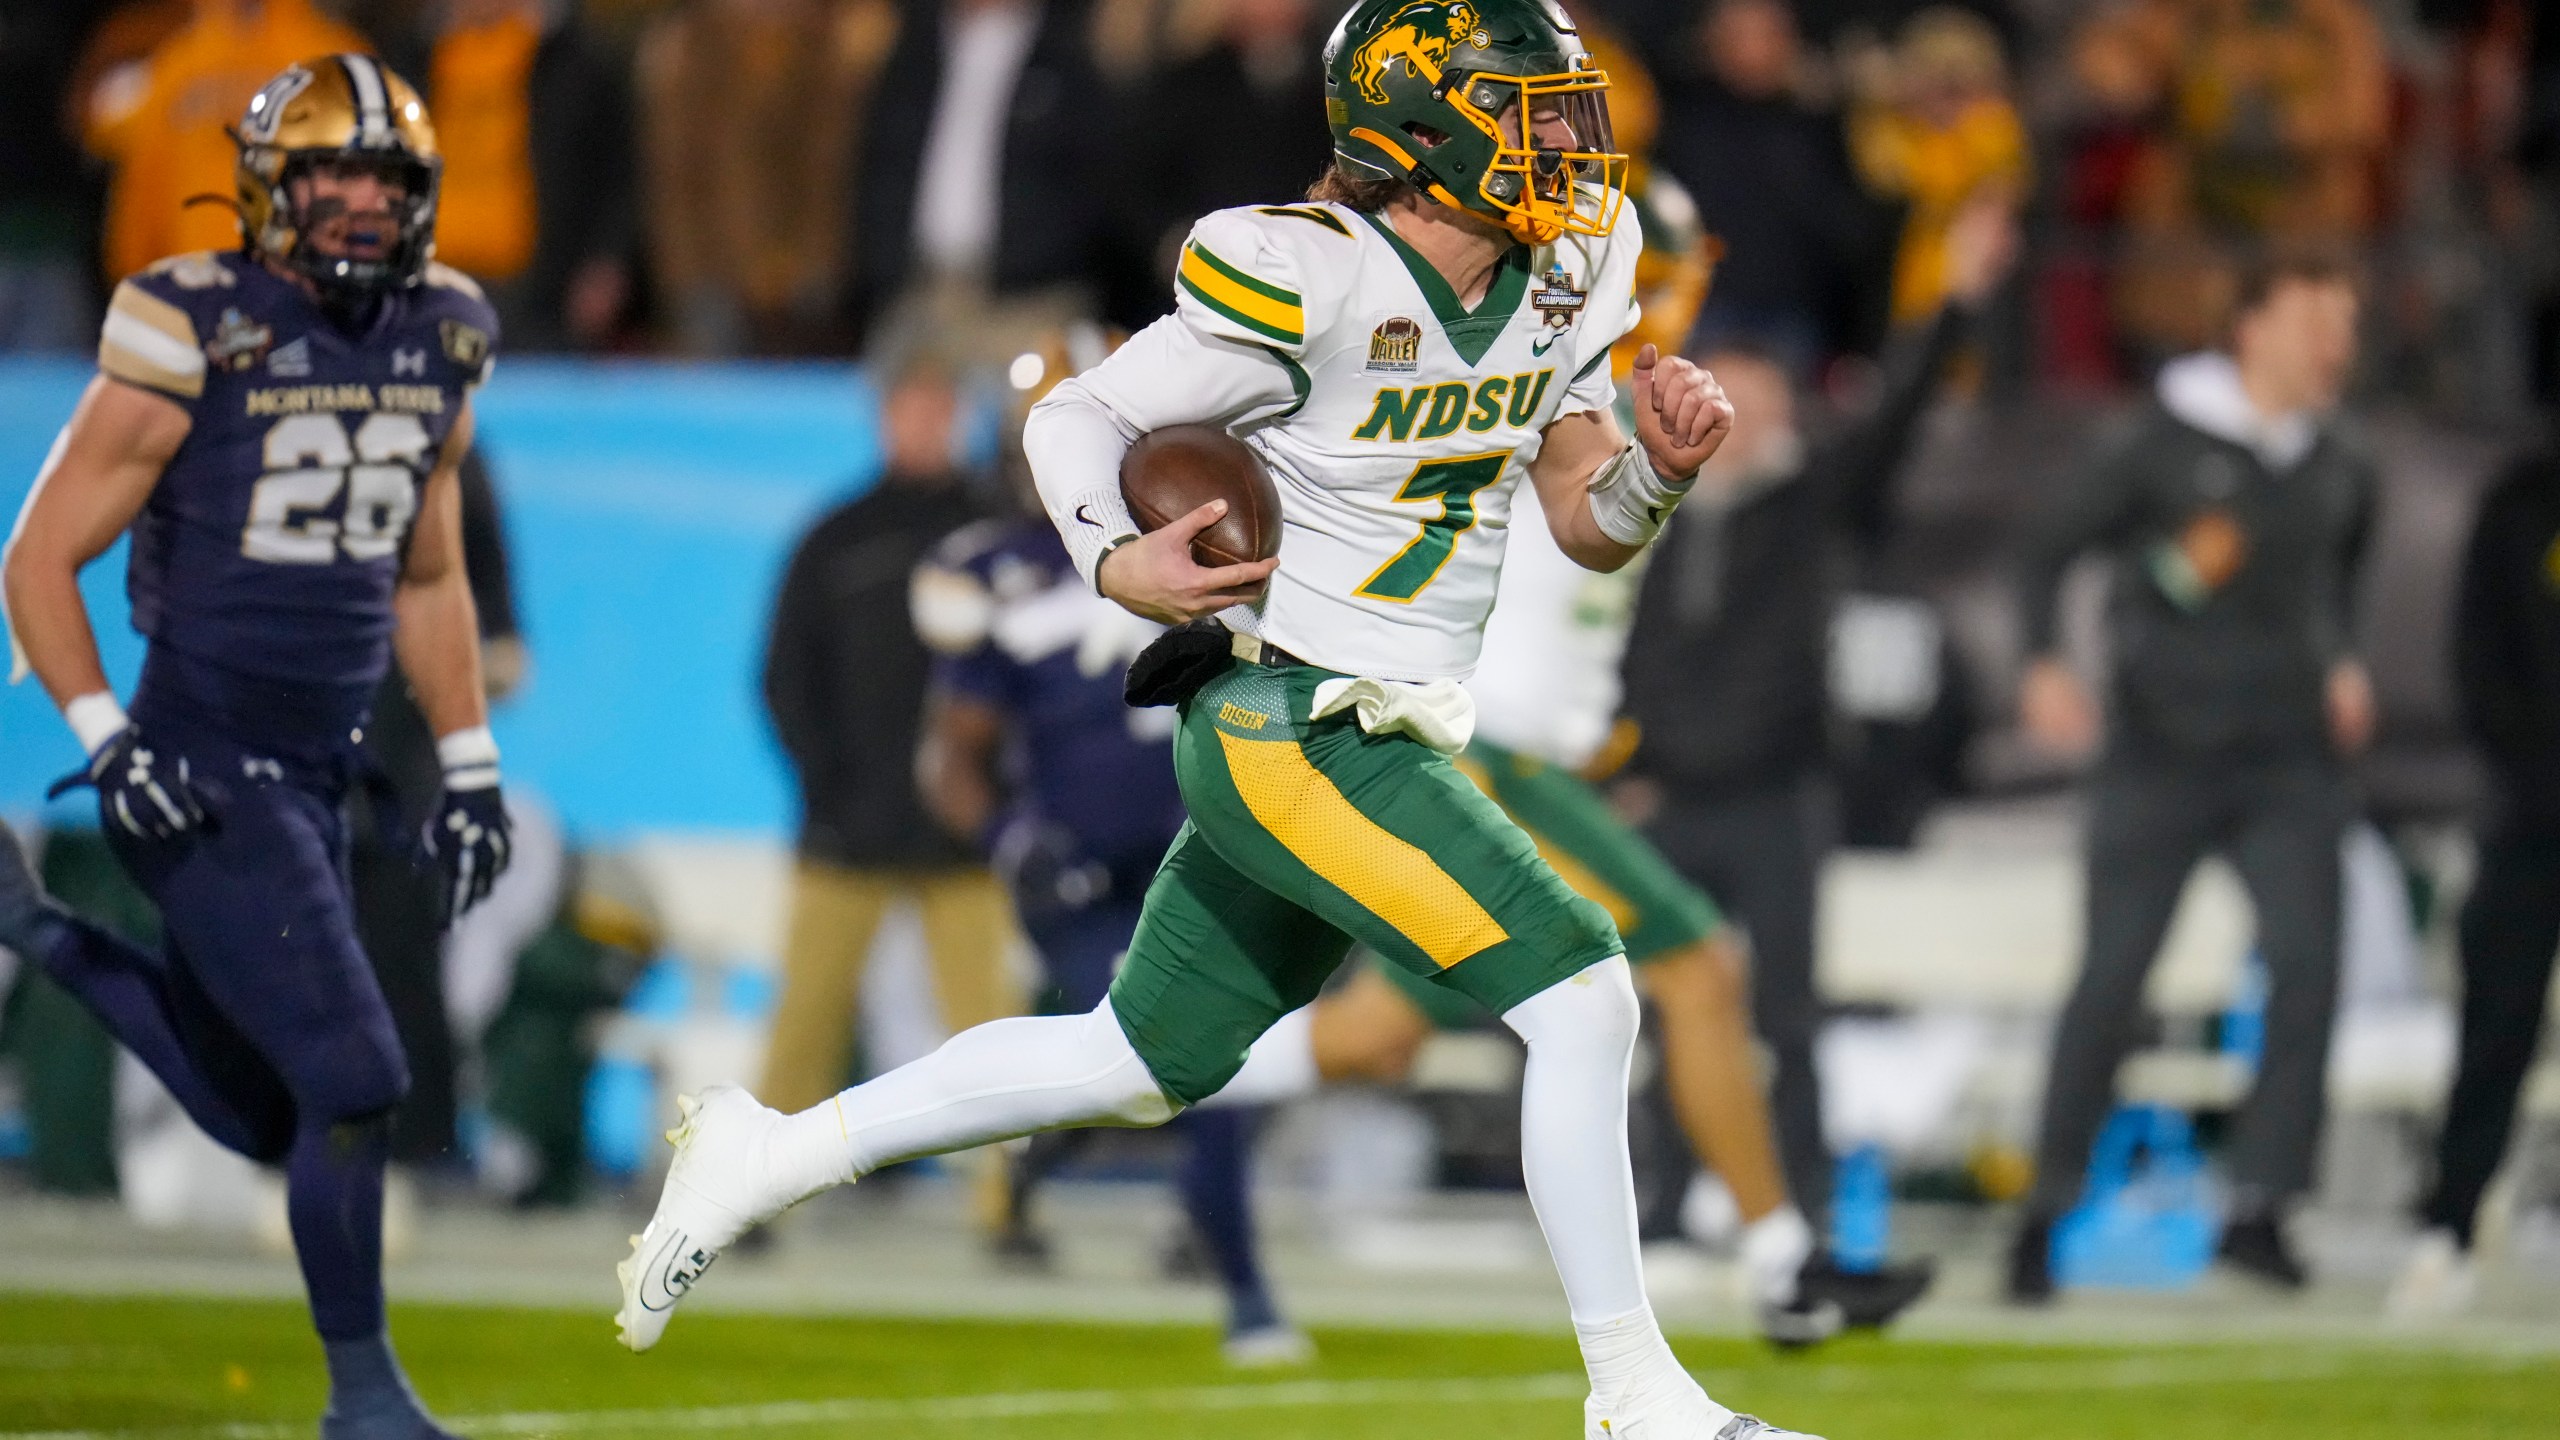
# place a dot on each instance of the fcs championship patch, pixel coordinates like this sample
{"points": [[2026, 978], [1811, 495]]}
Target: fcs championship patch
{"points": [[465, 345], [1395, 347], [238, 342], [1556, 298]]}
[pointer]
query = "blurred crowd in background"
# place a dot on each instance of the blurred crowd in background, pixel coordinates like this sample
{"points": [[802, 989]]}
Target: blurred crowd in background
{"points": [[789, 177]]}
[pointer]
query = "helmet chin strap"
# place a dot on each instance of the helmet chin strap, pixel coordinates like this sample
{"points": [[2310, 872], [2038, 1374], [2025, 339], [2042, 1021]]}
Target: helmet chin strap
{"points": [[1530, 230]]}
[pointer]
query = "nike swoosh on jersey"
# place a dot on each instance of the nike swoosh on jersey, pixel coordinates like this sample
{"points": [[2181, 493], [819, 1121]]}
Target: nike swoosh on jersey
{"points": [[1543, 345], [1084, 518]]}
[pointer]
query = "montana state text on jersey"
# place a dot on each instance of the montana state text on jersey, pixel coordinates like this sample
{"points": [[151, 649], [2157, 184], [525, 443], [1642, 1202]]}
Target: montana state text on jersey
{"points": [[272, 544]]}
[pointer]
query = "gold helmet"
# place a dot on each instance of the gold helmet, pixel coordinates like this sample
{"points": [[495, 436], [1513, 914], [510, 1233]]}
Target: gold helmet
{"points": [[337, 108]]}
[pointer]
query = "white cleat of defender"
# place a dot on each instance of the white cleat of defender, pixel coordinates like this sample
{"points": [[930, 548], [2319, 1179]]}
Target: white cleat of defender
{"points": [[718, 1188], [2438, 1282], [1681, 1417]]}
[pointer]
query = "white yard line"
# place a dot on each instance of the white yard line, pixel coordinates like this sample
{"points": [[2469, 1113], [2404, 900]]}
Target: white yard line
{"points": [[1025, 1404], [2128, 1373]]}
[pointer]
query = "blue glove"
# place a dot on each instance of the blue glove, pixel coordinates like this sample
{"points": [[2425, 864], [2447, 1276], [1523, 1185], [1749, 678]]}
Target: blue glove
{"points": [[469, 843], [144, 793]]}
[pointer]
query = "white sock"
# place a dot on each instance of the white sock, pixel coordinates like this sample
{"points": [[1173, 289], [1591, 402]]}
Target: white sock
{"points": [[1573, 1156], [1631, 1365], [988, 1083], [1774, 1249], [1280, 1066], [1573, 1135], [810, 1151]]}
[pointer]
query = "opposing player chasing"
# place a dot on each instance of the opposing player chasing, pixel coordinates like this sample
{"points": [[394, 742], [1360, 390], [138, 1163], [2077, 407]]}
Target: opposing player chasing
{"points": [[1027, 682], [1432, 326], [279, 427]]}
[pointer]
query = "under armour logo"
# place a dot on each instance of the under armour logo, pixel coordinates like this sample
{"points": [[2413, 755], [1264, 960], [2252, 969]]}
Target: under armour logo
{"points": [[409, 362]]}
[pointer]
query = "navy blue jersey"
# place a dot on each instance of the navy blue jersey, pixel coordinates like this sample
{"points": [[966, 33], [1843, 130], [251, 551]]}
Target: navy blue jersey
{"points": [[1016, 627], [274, 539]]}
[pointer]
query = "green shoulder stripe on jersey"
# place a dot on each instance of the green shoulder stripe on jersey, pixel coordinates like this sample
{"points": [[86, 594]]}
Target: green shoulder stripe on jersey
{"points": [[1471, 332], [1590, 365], [1298, 381], [1325, 218], [1257, 305]]}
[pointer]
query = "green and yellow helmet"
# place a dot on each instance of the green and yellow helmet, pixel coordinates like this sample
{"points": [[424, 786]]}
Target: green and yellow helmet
{"points": [[1449, 96]]}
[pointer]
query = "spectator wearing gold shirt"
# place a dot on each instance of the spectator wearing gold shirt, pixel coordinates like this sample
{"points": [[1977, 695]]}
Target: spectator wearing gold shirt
{"points": [[160, 122], [1942, 133], [535, 120]]}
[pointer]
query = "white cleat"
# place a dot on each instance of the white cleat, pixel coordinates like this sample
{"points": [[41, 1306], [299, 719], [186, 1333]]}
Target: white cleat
{"points": [[1679, 1417], [2438, 1281], [1273, 1347], [719, 1187]]}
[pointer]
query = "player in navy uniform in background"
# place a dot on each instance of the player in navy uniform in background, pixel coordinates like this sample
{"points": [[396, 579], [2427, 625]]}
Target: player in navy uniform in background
{"points": [[278, 427], [1028, 748]]}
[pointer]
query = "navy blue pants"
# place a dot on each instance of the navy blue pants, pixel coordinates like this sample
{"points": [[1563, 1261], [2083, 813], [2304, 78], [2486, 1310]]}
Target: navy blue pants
{"points": [[261, 1013], [1080, 950]]}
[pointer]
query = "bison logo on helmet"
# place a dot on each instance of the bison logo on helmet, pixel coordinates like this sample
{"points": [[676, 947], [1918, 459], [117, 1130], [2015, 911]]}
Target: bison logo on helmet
{"points": [[1421, 34]]}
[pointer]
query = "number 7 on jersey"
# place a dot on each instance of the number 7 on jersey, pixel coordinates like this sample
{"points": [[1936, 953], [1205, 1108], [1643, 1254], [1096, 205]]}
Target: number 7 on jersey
{"points": [[1452, 482]]}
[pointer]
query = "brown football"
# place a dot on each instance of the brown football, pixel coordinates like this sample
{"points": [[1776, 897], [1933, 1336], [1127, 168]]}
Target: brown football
{"points": [[1173, 471]]}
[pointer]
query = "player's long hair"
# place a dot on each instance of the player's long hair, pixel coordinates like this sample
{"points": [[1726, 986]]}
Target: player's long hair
{"points": [[1369, 193]]}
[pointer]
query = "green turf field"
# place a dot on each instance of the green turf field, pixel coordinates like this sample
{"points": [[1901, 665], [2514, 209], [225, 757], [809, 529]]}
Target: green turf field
{"points": [[245, 1370]]}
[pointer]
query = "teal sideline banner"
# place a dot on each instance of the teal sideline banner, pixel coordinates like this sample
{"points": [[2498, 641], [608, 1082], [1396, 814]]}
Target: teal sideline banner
{"points": [[650, 508]]}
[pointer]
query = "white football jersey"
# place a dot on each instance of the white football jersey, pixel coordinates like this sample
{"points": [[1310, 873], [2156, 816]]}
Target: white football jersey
{"points": [[1396, 422], [1547, 684]]}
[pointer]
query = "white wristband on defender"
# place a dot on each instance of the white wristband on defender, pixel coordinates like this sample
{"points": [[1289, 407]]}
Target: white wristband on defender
{"points": [[470, 759], [1630, 499], [1093, 523], [96, 718]]}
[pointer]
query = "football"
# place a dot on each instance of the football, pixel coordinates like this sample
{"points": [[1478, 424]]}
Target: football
{"points": [[1173, 471]]}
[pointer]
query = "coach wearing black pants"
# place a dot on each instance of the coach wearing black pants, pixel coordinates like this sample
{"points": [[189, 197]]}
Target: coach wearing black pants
{"points": [[2234, 512], [2506, 647], [1725, 667]]}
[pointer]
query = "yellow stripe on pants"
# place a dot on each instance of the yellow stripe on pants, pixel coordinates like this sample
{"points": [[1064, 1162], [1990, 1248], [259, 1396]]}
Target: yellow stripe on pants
{"points": [[1385, 875]]}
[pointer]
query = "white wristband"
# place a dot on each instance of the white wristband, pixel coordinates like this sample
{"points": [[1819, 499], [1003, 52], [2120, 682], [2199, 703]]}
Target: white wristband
{"points": [[1630, 499], [1094, 523], [470, 759], [96, 718]]}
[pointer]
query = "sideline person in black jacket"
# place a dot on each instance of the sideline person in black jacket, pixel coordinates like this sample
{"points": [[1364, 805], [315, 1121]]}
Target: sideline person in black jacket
{"points": [[2235, 513], [1725, 669], [1016, 202], [844, 680], [2506, 652]]}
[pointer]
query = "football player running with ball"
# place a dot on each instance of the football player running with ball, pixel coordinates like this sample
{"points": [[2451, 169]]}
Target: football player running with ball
{"points": [[1432, 326], [281, 428]]}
